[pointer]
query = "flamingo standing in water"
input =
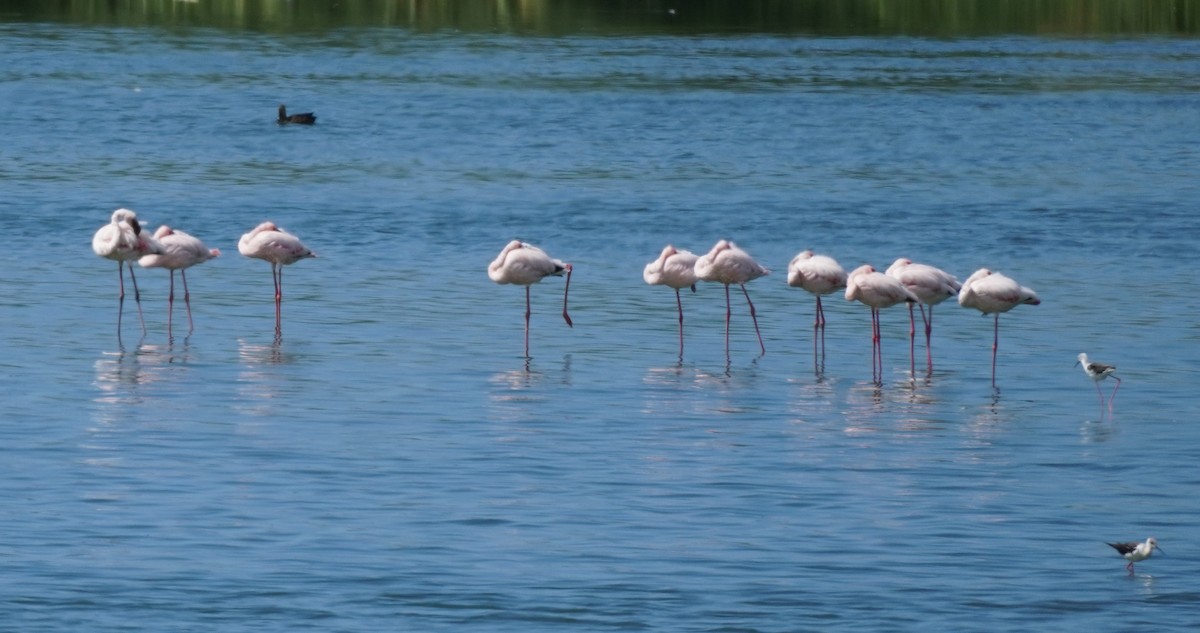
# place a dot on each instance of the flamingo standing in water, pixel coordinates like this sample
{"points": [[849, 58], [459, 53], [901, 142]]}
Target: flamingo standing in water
{"points": [[993, 293], [819, 275], [728, 264], [180, 252], [676, 269], [524, 264], [122, 240], [931, 286], [275, 245], [877, 291]]}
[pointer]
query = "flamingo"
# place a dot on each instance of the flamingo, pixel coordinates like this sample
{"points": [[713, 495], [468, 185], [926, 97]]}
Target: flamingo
{"points": [[275, 245], [819, 275], [304, 118], [524, 264], [122, 240], [180, 252], [728, 264], [1135, 552], [1098, 372], [877, 291], [676, 269], [993, 293], [931, 286]]}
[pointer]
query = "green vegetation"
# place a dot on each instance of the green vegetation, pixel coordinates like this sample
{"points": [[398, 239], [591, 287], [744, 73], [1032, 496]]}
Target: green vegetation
{"points": [[946, 18]]}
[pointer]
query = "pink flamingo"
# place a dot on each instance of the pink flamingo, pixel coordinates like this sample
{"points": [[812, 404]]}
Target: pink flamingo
{"points": [[180, 252], [993, 293], [122, 240], [728, 264], [819, 275], [1098, 372], [877, 291], [524, 264], [275, 245], [676, 269], [931, 286]]}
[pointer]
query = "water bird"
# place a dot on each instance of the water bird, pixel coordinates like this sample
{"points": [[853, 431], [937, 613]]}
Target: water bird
{"points": [[676, 269], [524, 264], [993, 293], [878, 291], [122, 240], [818, 275], [932, 286], [1135, 552], [303, 118], [180, 251], [728, 264], [1098, 372], [270, 243]]}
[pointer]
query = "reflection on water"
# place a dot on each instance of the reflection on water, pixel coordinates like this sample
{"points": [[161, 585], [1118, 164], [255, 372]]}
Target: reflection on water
{"points": [[828, 17], [260, 383], [123, 377]]}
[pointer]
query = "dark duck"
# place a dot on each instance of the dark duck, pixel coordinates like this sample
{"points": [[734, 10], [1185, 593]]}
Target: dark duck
{"points": [[305, 118]]}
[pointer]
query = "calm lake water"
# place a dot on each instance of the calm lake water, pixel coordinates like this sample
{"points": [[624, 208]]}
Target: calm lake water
{"points": [[392, 462]]}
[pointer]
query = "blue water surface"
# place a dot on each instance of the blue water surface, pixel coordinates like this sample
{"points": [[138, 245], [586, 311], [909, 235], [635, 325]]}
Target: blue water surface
{"points": [[389, 460]]}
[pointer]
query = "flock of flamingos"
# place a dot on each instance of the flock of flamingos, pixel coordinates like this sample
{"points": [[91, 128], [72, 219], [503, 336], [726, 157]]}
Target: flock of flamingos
{"points": [[920, 285], [123, 240]]}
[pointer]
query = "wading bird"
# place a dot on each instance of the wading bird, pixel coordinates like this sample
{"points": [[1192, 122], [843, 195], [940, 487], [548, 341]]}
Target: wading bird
{"points": [[931, 286], [877, 291], [180, 251], [524, 265], [1098, 372], [1135, 552], [728, 264], [993, 293], [122, 240], [675, 269], [819, 275], [270, 243]]}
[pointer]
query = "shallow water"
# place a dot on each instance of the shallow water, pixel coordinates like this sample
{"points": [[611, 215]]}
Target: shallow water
{"points": [[391, 460]]}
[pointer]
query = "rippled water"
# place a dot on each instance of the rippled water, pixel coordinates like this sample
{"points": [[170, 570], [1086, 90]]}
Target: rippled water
{"points": [[391, 461]]}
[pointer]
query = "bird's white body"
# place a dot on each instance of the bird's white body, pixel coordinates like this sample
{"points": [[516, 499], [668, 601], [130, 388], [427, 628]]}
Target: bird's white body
{"points": [[1098, 372], [993, 293], [728, 264], [179, 250], [673, 268], [931, 285], [875, 289], [122, 239], [523, 264], [273, 244], [1136, 552], [818, 274]]}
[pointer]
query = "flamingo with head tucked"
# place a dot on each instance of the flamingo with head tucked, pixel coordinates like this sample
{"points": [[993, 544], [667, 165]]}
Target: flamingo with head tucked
{"points": [[180, 252], [993, 293], [675, 269], [123, 240], [728, 264], [931, 286], [524, 265], [877, 291]]}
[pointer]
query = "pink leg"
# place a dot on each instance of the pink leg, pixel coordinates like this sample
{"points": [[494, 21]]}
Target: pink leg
{"points": [[170, 302], [995, 346], [876, 350], [728, 314], [912, 338], [679, 302], [137, 296], [121, 278], [820, 321], [187, 298], [754, 318], [928, 335], [277, 277], [528, 311], [1114, 393]]}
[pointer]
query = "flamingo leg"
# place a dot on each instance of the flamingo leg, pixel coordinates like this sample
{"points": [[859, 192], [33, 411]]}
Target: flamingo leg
{"points": [[170, 302], [995, 347], [137, 296], [728, 315], [876, 351], [187, 299], [679, 303], [528, 311], [928, 335], [121, 278], [912, 337], [754, 318], [820, 321]]}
